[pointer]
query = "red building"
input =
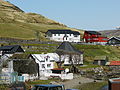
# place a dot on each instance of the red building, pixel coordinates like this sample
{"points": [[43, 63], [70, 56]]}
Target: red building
{"points": [[114, 84], [94, 37]]}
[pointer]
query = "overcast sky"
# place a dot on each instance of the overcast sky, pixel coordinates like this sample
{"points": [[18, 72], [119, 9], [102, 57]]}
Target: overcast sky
{"points": [[80, 14]]}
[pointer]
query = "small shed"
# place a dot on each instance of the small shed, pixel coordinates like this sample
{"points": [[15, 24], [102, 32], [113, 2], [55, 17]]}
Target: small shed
{"points": [[114, 84], [100, 60]]}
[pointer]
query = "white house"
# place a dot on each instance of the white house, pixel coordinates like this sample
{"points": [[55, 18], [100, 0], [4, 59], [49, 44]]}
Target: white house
{"points": [[46, 62], [63, 35]]}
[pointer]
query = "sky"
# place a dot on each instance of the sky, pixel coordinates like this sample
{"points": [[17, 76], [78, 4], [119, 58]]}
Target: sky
{"points": [[80, 14]]}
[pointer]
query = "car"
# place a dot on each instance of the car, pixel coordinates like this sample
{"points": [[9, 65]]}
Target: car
{"points": [[48, 87]]}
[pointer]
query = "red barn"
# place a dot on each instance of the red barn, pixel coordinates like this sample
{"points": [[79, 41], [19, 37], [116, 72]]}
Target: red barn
{"points": [[94, 37]]}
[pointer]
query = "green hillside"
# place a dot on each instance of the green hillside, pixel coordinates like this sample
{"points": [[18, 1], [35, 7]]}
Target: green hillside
{"points": [[15, 23], [90, 51]]}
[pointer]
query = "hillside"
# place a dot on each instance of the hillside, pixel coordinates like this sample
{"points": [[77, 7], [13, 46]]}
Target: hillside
{"points": [[111, 33], [90, 51], [15, 23]]}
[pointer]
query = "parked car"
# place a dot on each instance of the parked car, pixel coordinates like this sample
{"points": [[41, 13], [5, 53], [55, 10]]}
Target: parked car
{"points": [[48, 87]]}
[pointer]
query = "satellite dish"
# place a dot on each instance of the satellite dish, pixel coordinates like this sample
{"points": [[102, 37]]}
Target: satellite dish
{"points": [[66, 70]]}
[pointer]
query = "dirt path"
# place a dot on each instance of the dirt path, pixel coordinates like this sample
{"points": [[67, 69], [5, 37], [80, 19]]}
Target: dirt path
{"points": [[75, 82]]}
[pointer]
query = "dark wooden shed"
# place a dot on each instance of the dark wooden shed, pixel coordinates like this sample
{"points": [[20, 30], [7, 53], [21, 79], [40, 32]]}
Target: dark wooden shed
{"points": [[100, 60]]}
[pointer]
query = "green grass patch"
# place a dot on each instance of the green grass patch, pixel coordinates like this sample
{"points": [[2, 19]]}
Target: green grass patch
{"points": [[92, 86], [39, 82]]}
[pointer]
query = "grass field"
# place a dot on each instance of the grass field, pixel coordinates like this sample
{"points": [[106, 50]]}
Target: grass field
{"points": [[92, 86], [90, 51]]}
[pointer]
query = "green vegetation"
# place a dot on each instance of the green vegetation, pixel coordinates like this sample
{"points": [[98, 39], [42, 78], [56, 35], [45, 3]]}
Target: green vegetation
{"points": [[25, 30], [39, 82], [14, 23], [90, 51], [4, 87], [92, 86]]}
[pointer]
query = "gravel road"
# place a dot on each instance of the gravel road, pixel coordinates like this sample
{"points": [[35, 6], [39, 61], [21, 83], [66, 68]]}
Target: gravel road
{"points": [[75, 82]]}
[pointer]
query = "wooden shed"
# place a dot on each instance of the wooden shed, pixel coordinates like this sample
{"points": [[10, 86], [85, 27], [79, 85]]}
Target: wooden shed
{"points": [[100, 60], [114, 84]]}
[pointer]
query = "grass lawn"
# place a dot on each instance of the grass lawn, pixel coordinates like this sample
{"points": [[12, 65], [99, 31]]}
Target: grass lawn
{"points": [[32, 83], [92, 86]]}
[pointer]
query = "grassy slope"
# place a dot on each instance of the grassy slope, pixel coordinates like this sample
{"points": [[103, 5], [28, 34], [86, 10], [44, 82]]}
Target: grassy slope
{"points": [[92, 86], [90, 51], [15, 23], [24, 30]]}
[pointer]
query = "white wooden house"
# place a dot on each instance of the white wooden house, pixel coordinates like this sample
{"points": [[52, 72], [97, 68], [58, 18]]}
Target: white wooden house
{"points": [[46, 62], [63, 35]]}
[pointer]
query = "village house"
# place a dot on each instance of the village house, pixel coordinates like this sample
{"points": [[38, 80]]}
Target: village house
{"points": [[69, 55], [46, 62], [61, 35], [114, 41], [48, 66], [94, 37]]}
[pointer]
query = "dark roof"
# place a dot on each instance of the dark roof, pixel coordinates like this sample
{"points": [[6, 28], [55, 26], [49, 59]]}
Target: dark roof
{"points": [[63, 31], [118, 38], [94, 32], [12, 48], [66, 47]]}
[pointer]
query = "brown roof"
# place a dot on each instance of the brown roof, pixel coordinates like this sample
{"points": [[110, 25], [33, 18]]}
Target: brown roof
{"points": [[58, 69]]}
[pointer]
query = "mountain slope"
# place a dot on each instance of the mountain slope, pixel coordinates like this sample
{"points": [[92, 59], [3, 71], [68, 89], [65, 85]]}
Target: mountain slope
{"points": [[110, 33], [15, 23]]}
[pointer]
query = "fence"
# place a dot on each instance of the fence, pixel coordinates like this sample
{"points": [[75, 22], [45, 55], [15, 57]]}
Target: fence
{"points": [[9, 78]]}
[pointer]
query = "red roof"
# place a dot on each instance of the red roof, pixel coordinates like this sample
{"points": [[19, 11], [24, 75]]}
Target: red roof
{"points": [[58, 69], [115, 63]]}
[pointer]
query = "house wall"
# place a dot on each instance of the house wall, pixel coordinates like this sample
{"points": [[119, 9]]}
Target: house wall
{"points": [[62, 76], [94, 38], [61, 37], [76, 59], [46, 62]]}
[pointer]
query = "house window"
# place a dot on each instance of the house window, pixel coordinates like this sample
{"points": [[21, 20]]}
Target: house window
{"points": [[48, 65], [105, 39], [58, 38], [70, 34], [54, 34], [75, 35], [58, 34], [43, 65]]}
